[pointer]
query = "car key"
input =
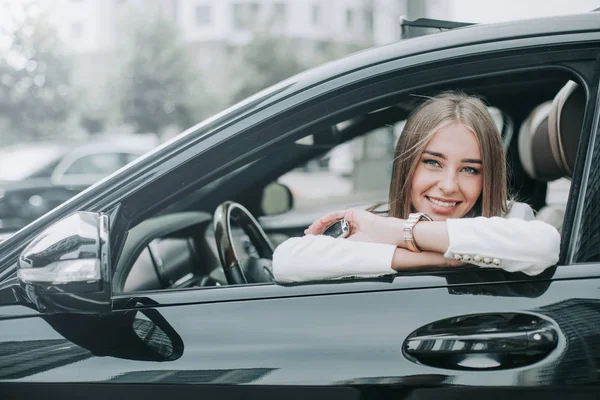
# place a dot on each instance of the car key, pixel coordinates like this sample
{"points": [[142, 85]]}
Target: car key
{"points": [[339, 229]]}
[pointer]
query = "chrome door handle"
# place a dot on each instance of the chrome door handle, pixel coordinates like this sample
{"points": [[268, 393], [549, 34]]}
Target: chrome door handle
{"points": [[540, 339], [483, 341]]}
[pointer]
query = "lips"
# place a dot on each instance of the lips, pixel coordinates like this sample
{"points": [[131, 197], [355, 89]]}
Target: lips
{"points": [[442, 203]]}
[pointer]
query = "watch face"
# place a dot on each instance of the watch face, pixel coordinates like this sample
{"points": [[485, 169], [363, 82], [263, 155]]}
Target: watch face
{"points": [[339, 229]]}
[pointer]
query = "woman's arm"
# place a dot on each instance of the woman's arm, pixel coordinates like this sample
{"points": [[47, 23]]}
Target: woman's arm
{"points": [[513, 244], [404, 260], [434, 236], [318, 257]]}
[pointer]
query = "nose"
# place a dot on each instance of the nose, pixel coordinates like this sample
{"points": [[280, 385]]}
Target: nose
{"points": [[448, 183]]}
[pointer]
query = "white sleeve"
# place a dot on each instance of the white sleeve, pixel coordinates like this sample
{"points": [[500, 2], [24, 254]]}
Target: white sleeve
{"points": [[522, 211], [319, 257], [513, 244]]}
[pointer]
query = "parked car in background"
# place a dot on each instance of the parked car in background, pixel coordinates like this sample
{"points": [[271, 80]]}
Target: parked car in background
{"points": [[36, 177]]}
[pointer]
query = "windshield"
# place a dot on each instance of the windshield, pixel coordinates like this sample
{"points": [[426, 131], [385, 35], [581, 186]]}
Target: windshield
{"points": [[20, 162]]}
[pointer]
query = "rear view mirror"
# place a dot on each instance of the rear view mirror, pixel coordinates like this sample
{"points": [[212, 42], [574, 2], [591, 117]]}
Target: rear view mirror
{"points": [[66, 267], [276, 199]]}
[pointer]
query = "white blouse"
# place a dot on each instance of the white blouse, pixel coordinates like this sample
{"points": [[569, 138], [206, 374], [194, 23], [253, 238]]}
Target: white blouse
{"points": [[516, 242]]}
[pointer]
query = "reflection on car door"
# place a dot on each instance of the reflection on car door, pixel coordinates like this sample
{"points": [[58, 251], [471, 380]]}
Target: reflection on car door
{"points": [[415, 333]]}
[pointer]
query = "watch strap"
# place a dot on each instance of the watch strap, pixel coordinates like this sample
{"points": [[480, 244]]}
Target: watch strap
{"points": [[409, 224]]}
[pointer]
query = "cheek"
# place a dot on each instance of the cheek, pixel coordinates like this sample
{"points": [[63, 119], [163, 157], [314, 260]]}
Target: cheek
{"points": [[472, 188], [418, 185]]}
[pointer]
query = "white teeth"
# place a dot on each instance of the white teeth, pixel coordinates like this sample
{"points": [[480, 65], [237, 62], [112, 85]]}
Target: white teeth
{"points": [[442, 203]]}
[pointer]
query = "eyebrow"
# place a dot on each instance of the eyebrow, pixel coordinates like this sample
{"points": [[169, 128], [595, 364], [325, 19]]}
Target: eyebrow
{"points": [[443, 157]]}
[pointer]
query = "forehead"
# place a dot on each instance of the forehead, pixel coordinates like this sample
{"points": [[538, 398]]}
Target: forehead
{"points": [[455, 139]]}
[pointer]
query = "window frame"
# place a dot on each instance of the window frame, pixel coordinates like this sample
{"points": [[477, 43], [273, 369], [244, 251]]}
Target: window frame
{"points": [[482, 63], [585, 169]]}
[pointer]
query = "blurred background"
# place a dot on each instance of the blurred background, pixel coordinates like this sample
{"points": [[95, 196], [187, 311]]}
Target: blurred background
{"points": [[88, 85]]}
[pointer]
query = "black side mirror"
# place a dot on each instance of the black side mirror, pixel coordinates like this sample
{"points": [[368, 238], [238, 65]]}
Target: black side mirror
{"points": [[276, 199], [66, 268]]}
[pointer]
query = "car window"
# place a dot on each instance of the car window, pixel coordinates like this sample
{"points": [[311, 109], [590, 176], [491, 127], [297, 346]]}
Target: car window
{"points": [[354, 173], [97, 164]]}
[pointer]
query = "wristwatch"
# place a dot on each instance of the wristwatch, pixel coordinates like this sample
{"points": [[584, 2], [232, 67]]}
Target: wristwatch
{"points": [[411, 221]]}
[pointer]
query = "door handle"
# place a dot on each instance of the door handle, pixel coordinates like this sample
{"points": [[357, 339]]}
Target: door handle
{"points": [[540, 339], [483, 341]]}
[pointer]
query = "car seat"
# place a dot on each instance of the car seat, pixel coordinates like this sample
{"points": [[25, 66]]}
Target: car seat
{"points": [[548, 140]]}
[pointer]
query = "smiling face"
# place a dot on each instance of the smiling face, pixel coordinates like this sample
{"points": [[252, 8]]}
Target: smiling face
{"points": [[448, 179]]}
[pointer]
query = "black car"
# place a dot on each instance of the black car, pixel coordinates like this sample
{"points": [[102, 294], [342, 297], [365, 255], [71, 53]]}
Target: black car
{"points": [[36, 177], [156, 283]]}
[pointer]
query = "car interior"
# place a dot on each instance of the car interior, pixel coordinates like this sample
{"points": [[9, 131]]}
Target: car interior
{"points": [[182, 245]]}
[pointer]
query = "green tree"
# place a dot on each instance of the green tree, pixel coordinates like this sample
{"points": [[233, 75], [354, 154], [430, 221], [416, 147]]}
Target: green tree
{"points": [[35, 98], [155, 82], [268, 59]]}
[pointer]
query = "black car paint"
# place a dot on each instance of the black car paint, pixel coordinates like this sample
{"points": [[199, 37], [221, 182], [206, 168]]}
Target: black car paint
{"points": [[346, 334]]}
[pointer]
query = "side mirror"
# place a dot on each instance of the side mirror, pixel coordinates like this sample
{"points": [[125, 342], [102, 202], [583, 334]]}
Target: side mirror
{"points": [[66, 268], [276, 199]]}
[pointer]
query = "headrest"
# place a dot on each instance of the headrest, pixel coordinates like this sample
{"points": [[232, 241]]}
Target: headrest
{"points": [[549, 136], [564, 124]]}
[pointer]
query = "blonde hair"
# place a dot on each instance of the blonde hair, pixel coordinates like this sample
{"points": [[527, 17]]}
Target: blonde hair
{"points": [[420, 128]]}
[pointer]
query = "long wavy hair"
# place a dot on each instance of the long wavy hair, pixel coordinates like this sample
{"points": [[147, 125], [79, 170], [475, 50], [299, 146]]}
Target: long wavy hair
{"points": [[423, 123]]}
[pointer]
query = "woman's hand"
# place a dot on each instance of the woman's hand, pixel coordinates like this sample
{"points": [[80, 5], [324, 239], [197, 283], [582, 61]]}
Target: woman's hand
{"points": [[364, 226]]}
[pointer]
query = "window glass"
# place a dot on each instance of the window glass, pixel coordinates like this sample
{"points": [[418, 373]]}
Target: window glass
{"points": [[280, 12], [349, 19], [203, 15], [316, 14], [245, 15], [76, 30], [96, 164]]}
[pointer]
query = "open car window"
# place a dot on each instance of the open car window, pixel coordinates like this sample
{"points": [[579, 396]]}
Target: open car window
{"points": [[333, 165], [354, 173]]}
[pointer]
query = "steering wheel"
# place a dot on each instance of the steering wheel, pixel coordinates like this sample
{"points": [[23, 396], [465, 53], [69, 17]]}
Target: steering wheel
{"points": [[252, 270]]}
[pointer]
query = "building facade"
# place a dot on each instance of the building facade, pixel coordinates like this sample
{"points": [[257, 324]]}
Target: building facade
{"points": [[92, 26]]}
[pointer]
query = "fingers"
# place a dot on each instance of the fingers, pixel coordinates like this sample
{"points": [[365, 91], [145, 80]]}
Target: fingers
{"points": [[317, 227]]}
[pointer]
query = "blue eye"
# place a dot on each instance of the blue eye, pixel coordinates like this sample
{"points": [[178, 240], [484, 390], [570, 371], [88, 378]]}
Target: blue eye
{"points": [[429, 161], [471, 170]]}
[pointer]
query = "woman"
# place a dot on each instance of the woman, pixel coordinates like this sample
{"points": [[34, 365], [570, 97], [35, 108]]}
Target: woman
{"points": [[448, 206]]}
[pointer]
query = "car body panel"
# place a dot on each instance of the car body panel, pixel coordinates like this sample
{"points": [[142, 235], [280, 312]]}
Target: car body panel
{"points": [[334, 339]]}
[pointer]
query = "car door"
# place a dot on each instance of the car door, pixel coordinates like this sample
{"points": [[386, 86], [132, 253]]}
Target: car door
{"points": [[422, 335], [438, 333]]}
